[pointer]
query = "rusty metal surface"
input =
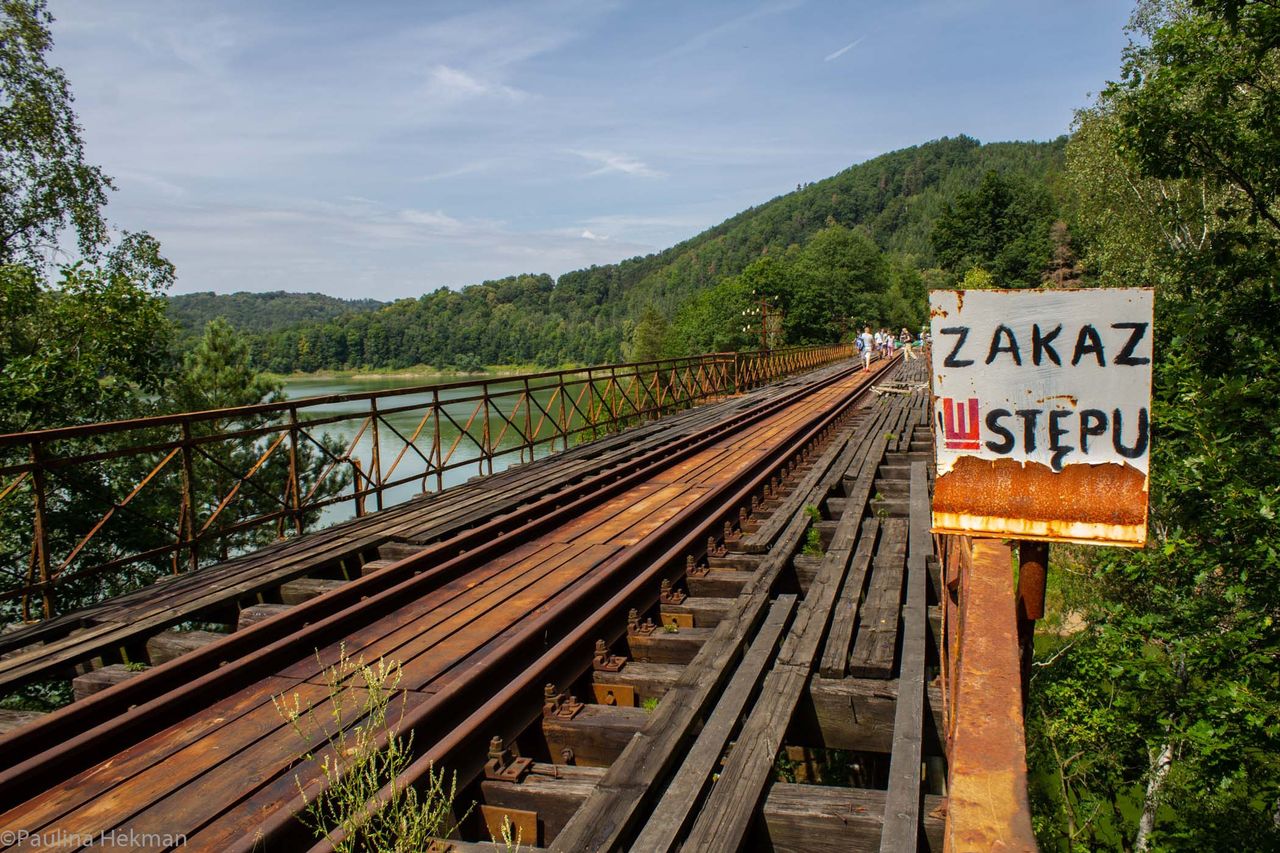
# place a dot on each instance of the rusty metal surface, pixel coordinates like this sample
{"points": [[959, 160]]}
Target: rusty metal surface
{"points": [[988, 808], [1082, 503]]}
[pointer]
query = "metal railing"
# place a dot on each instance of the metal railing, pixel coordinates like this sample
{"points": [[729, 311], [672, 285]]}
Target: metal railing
{"points": [[96, 509]]}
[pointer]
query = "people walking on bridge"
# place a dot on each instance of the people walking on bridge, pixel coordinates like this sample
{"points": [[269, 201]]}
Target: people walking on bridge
{"points": [[867, 343], [905, 337]]}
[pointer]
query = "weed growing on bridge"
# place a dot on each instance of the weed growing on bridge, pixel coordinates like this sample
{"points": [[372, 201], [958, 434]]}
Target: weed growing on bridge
{"points": [[355, 751], [813, 538]]}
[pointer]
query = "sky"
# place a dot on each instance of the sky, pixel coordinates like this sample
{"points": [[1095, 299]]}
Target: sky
{"points": [[382, 150]]}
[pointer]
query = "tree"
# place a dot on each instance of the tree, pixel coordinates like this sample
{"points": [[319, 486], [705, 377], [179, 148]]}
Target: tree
{"points": [[254, 471], [647, 339], [79, 351], [1183, 634], [1002, 227], [45, 183]]}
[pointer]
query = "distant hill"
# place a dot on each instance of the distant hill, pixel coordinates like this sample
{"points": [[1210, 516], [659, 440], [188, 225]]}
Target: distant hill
{"points": [[585, 316], [260, 313]]}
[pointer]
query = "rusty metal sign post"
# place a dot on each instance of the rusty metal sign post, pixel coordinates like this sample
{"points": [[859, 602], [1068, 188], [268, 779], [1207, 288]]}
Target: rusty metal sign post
{"points": [[1042, 421]]}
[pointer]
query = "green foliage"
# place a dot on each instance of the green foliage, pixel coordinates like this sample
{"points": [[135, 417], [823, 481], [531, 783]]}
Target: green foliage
{"points": [[219, 374], [1158, 726], [812, 536], [1002, 228], [362, 752], [647, 337], [259, 313], [45, 183], [649, 704], [79, 350]]}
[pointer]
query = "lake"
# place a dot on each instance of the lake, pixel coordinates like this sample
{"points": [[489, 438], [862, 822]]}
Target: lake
{"points": [[406, 423]]}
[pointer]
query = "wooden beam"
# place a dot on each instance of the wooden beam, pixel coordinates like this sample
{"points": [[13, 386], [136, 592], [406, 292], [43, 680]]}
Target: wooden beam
{"points": [[596, 735], [902, 803], [554, 791], [665, 646], [857, 713], [648, 680], [821, 819]]}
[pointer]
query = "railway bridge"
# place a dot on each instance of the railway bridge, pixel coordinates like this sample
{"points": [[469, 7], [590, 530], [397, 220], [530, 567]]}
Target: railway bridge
{"points": [[683, 605]]}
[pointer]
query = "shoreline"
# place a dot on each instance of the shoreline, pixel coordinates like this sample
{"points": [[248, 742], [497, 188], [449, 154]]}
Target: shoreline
{"points": [[415, 372]]}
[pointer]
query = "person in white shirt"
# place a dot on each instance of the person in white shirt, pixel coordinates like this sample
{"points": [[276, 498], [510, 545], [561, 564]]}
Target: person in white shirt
{"points": [[867, 343]]}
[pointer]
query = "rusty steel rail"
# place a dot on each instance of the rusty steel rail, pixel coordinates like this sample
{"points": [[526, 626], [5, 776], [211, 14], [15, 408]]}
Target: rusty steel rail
{"points": [[186, 476]]}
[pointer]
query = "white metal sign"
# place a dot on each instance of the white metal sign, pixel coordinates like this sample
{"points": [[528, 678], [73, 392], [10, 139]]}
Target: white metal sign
{"points": [[1042, 413]]}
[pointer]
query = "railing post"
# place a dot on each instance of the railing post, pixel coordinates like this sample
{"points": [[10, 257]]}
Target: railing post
{"points": [[486, 451], [357, 478], [189, 496], [295, 480], [528, 420], [436, 450], [375, 462], [41, 530]]}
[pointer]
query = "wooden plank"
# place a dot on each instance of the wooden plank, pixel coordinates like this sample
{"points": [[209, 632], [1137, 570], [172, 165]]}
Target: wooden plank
{"points": [[902, 803], [876, 641], [597, 734], [668, 819], [155, 750], [158, 781], [822, 819], [706, 612], [12, 720], [167, 645], [554, 792], [664, 646], [305, 589], [857, 714], [187, 807], [648, 680], [97, 680], [845, 612]]}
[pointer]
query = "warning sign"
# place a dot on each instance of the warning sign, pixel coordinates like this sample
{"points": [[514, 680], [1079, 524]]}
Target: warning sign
{"points": [[1042, 413]]}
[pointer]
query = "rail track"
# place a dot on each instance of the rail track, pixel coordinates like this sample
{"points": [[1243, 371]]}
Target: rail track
{"points": [[488, 601]]}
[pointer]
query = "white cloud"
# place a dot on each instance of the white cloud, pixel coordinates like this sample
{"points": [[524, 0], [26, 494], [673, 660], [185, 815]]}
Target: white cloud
{"points": [[588, 234], [613, 162], [831, 57], [455, 84]]}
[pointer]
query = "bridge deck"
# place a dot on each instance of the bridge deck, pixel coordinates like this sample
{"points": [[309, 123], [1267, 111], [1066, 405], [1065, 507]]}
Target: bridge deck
{"points": [[458, 616]]}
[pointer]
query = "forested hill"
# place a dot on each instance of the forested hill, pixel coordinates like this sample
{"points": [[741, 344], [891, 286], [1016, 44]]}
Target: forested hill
{"points": [[259, 313], [881, 214]]}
